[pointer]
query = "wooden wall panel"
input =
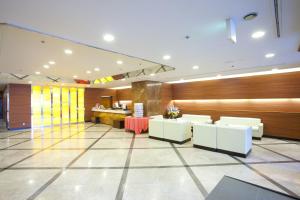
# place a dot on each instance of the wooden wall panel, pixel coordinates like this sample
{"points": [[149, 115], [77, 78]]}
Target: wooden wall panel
{"points": [[277, 124], [92, 96], [256, 87], [166, 96], [124, 95], [19, 106]]}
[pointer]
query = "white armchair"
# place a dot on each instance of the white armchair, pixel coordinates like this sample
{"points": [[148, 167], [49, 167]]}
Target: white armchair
{"points": [[177, 130], [205, 136], [206, 119], [254, 123], [156, 128], [236, 140]]}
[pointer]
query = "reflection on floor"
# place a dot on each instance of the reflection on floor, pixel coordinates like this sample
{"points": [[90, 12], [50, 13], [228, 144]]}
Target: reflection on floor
{"points": [[88, 161]]}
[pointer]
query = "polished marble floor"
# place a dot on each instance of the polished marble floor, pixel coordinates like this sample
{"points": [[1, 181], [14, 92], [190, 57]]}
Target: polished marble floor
{"points": [[88, 161]]}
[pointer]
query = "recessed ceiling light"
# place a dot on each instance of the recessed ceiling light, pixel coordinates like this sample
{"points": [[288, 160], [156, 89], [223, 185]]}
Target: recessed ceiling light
{"points": [[152, 74], [52, 62], [96, 69], [62, 84], [88, 72], [75, 76], [108, 37], [119, 62], [195, 67], [275, 69], [37, 73], [258, 34], [181, 79], [166, 57], [46, 66], [219, 76], [30, 82], [269, 55], [68, 51]]}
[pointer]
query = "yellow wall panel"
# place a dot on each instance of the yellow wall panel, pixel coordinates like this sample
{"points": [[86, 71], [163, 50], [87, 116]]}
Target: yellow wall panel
{"points": [[80, 104], [36, 107], [65, 105], [47, 118], [56, 108], [73, 105]]}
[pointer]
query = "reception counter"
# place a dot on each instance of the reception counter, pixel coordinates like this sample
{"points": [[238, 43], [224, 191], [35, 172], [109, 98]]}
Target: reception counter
{"points": [[108, 116]]}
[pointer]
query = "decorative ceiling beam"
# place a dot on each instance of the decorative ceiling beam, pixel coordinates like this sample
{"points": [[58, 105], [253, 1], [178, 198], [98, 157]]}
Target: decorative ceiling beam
{"points": [[19, 77]]}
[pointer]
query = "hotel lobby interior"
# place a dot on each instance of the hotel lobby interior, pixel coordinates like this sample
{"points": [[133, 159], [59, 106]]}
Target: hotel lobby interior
{"points": [[150, 100]]}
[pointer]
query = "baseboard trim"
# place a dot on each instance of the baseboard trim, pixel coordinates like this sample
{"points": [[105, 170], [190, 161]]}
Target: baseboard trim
{"points": [[283, 138], [223, 151], [172, 141], [204, 147], [256, 138]]}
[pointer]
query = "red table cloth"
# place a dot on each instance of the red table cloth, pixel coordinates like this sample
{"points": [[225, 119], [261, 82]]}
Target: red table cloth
{"points": [[136, 124]]}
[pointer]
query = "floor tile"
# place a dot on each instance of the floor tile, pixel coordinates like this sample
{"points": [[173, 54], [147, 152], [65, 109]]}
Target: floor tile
{"points": [[286, 174], [291, 150], [160, 184], [36, 144], [259, 154], [194, 156], [50, 158], [150, 143], [5, 143], [8, 157], [88, 135], [103, 158], [266, 140], [120, 134], [84, 184], [154, 157], [97, 129], [113, 143], [210, 176], [74, 143], [20, 184]]}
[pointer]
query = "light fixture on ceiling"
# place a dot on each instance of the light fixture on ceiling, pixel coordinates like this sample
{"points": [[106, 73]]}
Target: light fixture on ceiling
{"points": [[152, 74], [75, 76], [30, 82], [62, 84], [108, 37], [119, 62], [166, 57], [37, 73], [195, 67], [269, 55], [96, 69], [46, 66], [258, 34], [275, 69], [68, 51], [250, 16], [51, 62], [88, 72], [219, 76]]}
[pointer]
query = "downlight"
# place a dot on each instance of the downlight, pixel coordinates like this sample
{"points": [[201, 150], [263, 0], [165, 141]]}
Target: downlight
{"points": [[250, 16]]}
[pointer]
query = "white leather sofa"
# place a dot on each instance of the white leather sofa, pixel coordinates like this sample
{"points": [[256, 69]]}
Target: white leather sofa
{"points": [[172, 130], [230, 139], [235, 140], [205, 136], [254, 123], [197, 118]]}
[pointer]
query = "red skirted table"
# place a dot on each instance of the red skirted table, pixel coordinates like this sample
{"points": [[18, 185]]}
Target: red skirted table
{"points": [[136, 124]]}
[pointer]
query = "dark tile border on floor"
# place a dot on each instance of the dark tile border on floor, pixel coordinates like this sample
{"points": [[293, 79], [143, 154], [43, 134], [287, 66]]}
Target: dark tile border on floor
{"points": [[283, 155], [35, 153], [57, 175], [191, 173], [288, 191]]}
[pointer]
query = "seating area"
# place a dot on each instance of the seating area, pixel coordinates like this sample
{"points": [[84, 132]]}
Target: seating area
{"points": [[149, 100], [231, 135]]}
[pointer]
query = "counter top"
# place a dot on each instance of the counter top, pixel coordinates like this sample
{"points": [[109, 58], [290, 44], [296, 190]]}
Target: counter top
{"points": [[125, 112]]}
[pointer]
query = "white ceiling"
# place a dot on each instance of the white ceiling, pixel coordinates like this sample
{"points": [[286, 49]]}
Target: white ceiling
{"points": [[151, 29]]}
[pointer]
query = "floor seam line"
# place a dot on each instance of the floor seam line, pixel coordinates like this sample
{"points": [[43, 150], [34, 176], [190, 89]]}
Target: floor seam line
{"points": [[267, 178], [197, 182], [57, 175], [121, 188]]}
